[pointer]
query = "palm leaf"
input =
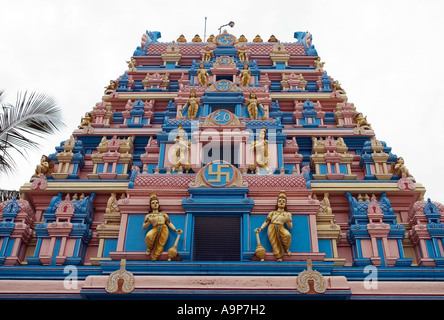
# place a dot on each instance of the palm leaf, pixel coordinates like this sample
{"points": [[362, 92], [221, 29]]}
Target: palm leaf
{"points": [[34, 115]]}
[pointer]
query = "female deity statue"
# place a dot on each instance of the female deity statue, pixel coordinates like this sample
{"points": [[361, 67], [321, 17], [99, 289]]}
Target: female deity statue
{"points": [[192, 104], [179, 152], [261, 147], [245, 75], [279, 236], [157, 237], [252, 102], [202, 75]]}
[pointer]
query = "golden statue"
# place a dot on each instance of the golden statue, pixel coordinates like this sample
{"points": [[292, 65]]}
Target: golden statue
{"points": [[261, 147], [180, 151], [361, 121], [207, 54], [86, 121], [46, 167], [252, 104], [202, 75], [111, 87], [245, 75], [399, 168], [241, 53], [279, 236], [157, 237], [192, 104]]}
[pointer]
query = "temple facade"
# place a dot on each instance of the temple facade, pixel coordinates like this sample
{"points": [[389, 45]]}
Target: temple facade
{"points": [[223, 167]]}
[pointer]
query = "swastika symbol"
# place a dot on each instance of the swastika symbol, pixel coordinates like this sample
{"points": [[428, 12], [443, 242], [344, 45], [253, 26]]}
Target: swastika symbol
{"points": [[219, 174]]}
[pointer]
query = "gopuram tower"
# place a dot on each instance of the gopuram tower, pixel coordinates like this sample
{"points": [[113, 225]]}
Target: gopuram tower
{"points": [[223, 165]]}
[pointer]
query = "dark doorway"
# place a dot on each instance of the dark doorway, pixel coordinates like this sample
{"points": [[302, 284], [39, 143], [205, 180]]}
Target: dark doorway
{"points": [[216, 239]]}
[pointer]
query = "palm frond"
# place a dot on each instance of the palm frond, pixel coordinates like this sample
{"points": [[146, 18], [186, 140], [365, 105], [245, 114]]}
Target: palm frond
{"points": [[34, 115]]}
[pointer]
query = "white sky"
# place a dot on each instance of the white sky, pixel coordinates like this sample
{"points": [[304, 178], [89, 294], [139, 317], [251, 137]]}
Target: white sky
{"points": [[387, 55]]}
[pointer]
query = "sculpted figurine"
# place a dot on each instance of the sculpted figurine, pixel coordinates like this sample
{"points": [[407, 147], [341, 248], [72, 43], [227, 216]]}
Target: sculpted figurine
{"points": [[245, 75], [241, 53], [361, 121], [180, 151], [132, 64], [157, 237], [279, 236], [46, 167], [252, 103], [207, 54], [111, 87], [86, 121], [192, 104], [399, 168], [261, 147], [202, 75]]}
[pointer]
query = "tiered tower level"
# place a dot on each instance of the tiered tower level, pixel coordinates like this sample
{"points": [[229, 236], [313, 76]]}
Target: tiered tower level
{"points": [[218, 166]]}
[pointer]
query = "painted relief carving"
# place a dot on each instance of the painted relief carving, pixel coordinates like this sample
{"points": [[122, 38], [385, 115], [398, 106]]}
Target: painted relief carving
{"points": [[156, 238], [278, 235]]}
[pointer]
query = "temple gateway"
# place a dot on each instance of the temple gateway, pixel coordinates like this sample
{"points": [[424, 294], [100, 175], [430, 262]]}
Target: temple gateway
{"points": [[226, 167]]}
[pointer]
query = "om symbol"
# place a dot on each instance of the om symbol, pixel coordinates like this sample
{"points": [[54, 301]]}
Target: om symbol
{"points": [[221, 117], [224, 60], [223, 85], [226, 40]]}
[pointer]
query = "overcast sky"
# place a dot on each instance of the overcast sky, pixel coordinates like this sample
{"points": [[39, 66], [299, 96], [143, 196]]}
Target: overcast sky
{"points": [[387, 55]]}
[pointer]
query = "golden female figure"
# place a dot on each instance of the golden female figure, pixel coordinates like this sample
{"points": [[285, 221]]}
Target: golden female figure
{"points": [[192, 104], [157, 237], [245, 75], [279, 236], [252, 104], [202, 75]]}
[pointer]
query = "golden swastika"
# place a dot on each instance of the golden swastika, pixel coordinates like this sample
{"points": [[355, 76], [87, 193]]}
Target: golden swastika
{"points": [[218, 173]]}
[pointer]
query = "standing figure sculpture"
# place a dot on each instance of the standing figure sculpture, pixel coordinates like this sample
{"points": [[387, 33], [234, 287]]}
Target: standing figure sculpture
{"points": [[245, 75], [279, 236], [180, 151], [252, 103], [207, 54], [202, 75], [157, 237], [192, 104], [261, 147]]}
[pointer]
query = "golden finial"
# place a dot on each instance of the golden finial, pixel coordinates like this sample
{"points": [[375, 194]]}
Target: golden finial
{"points": [[181, 38], [242, 39], [272, 39], [196, 38], [210, 38], [257, 39]]}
